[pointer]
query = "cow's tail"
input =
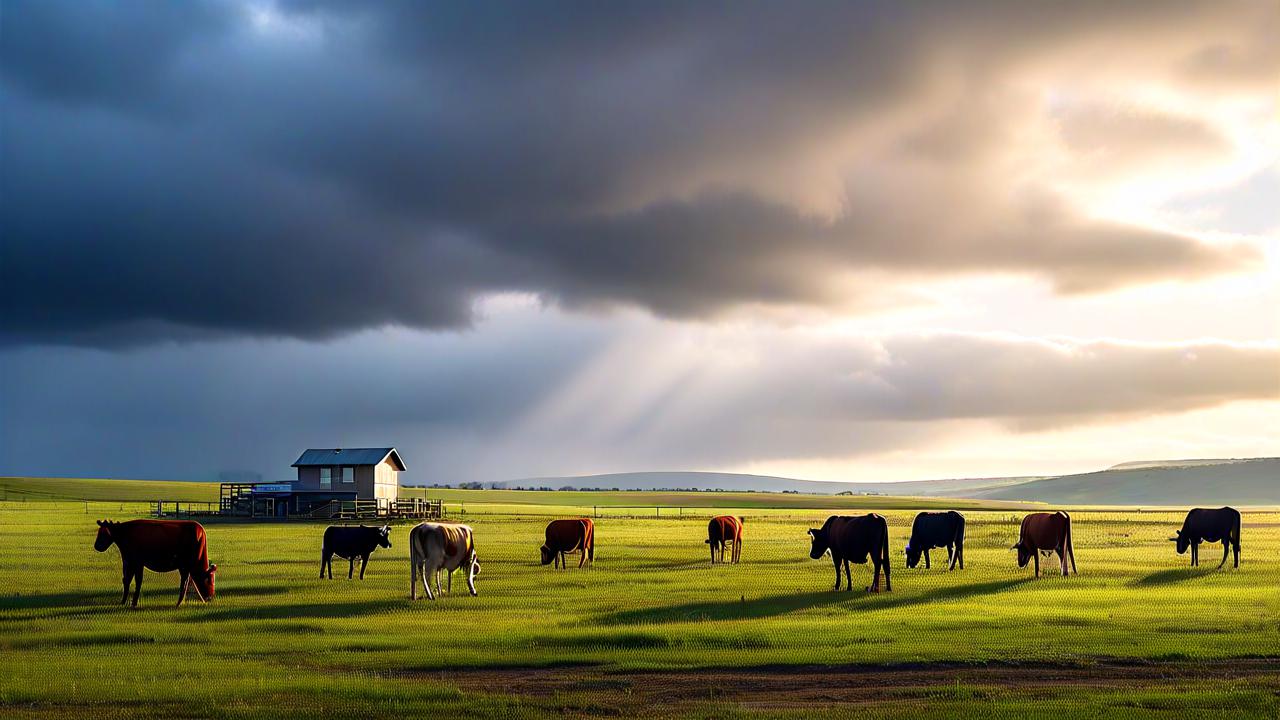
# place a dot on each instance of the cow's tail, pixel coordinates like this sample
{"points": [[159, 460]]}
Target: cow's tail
{"points": [[591, 542], [958, 555], [884, 553], [1071, 551]]}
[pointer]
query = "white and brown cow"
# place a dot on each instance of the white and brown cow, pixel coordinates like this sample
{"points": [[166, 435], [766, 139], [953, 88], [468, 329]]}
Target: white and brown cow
{"points": [[440, 546]]}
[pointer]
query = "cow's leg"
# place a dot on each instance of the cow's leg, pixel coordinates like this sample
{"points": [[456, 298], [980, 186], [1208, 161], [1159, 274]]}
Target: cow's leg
{"points": [[128, 577], [426, 580], [351, 566], [926, 558], [713, 552], [438, 571], [848, 577], [1062, 555], [413, 580], [1036, 555], [836, 561], [1235, 549], [325, 557], [960, 552], [875, 576], [137, 585], [1226, 548], [184, 581], [450, 583], [364, 560], [583, 561]]}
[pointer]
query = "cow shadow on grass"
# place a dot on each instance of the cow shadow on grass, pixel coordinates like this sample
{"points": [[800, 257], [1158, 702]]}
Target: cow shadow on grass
{"points": [[40, 601], [775, 605], [1173, 575], [323, 610]]}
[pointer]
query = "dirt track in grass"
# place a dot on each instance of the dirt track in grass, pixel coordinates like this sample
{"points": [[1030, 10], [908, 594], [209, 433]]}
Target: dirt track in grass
{"points": [[804, 686]]}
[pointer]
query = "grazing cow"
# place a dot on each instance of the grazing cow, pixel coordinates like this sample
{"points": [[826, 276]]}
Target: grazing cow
{"points": [[567, 536], [853, 539], [160, 546], [723, 530], [1203, 525], [1046, 533], [440, 546], [936, 530], [350, 543]]}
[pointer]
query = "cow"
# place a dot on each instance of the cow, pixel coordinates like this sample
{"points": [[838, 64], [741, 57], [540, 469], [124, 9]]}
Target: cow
{"points": [[567, 536], [349, 543], [1046, 533], [936, 530], [723, 530], [160, 546], [854, 539], [440, 546], [1205, 525]]}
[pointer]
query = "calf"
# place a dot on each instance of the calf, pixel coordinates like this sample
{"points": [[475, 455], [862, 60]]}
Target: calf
{"points": [[724, 530], [440, 546], [935, 530], [350, 543], [160, 546], [567, 536], [1046, 532], [1202, 525], [854, 539]]}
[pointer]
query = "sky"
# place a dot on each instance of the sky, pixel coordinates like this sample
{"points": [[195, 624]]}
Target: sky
{"points": [[841, 241]]}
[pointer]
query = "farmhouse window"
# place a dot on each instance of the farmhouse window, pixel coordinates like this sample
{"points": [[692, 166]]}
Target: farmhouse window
{"points": [[326, 477], [348, 475]]}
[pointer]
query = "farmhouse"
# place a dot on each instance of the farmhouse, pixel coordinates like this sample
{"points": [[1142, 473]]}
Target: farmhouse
{"points": [[371, 473], [342, 483]]}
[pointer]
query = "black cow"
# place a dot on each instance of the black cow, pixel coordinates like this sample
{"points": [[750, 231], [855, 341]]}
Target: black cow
{"points": [[1202, 525], [351, 542], [854, 539], [936, 530]]}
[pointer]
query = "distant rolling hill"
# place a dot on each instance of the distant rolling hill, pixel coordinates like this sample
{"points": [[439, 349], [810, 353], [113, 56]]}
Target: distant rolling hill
{"points": [[1254, 481], [1250, 481], [758, 483]]}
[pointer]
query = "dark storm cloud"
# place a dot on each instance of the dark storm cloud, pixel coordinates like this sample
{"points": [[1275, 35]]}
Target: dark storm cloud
{"points": [[179, 170]]}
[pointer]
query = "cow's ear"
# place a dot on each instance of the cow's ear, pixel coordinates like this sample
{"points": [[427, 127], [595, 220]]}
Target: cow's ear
{"points": [[212, 568], [813, 532], [1173, 539], [99, 523], [1015, 547]]}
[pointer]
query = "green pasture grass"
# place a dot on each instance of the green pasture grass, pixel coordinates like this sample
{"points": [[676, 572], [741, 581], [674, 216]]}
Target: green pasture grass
{"points": [[278, 639]]}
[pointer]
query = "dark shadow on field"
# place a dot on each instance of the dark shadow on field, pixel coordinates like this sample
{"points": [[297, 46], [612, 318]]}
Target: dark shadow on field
{"points": [[59, 600], [1165, 577], [775, 605], [303, 610]]}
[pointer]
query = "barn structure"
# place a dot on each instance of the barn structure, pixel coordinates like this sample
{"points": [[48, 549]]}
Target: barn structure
{"points": [[343, 483]]}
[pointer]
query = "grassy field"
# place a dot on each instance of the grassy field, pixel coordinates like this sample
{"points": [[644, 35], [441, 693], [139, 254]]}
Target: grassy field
{"points": [[651, 629]]}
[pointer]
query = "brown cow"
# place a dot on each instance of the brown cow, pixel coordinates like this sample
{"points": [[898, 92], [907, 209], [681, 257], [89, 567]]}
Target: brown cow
{"points": [[160, 546], [1046, 533], [723, 530], [566, 536]]}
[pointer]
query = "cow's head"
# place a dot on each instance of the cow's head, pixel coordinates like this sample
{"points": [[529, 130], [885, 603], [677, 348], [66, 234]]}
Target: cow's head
{"points": [[1182, 540], [547, 555], [820, 543], [203, 582], [384, 536], [104, 539], [1024, 553], [913, 556]]}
